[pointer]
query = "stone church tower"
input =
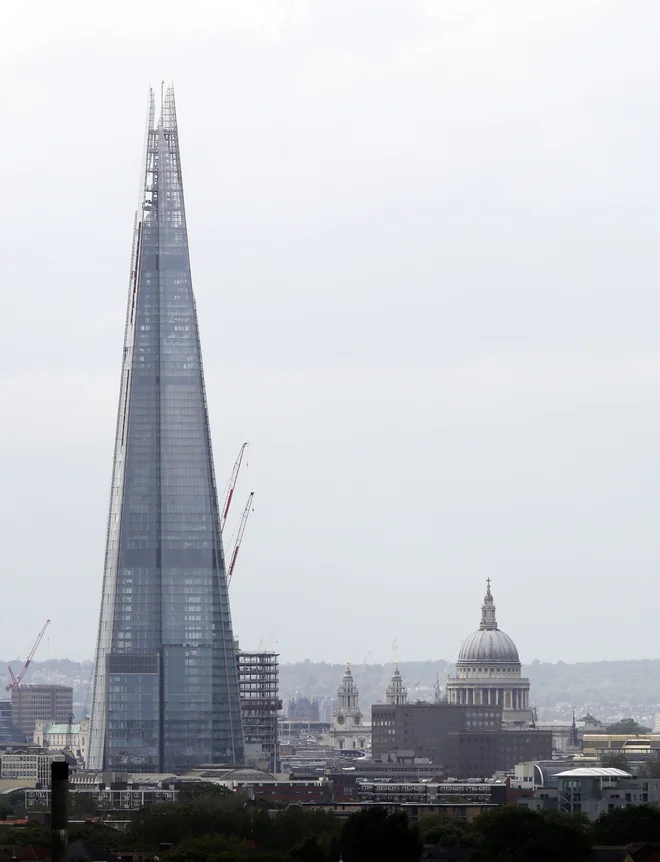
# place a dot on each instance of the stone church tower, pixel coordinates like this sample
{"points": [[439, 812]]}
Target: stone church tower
{"points": [[396, 693], [347, 732]]}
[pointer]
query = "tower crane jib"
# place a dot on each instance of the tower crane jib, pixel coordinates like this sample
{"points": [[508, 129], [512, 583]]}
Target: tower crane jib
{"points": [[232, 485], [239, 536]]}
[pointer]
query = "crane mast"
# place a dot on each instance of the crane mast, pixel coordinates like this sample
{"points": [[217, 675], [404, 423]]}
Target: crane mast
{"points": [[232, 485], [16, 680], [239, 536]]}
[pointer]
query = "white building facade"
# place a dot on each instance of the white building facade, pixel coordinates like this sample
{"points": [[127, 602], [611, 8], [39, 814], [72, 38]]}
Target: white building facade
{"points": [[73, 737]]}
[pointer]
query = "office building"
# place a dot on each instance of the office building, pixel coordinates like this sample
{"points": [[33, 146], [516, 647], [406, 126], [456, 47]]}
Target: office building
{"points": [[482, 754], [33, 703], [465, 741], [27, 765], [7, 730], [165, 691], [424, 728]]}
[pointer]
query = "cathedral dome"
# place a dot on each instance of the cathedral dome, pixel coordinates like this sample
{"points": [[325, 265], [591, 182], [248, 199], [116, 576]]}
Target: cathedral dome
{"points": [[488, 671], [488, 644]]}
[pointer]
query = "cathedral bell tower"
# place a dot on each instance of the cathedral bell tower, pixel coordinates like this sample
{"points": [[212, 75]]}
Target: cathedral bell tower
{"points": [[396, 693], [347, 732]]}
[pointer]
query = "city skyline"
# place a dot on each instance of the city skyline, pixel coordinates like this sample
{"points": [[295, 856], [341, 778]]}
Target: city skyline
{"points": [[165, 691]]}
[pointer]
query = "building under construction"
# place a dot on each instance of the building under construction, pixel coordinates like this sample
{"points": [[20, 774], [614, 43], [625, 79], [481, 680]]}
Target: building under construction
{"points": [[258, 674]]}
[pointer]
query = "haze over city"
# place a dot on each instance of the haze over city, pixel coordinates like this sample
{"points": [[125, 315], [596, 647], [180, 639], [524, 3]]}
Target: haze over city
{"points": [[424, 250]]}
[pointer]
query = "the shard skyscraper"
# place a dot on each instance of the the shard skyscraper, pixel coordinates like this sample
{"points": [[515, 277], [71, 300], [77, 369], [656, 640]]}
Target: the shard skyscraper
{"points": [[166, 691]]}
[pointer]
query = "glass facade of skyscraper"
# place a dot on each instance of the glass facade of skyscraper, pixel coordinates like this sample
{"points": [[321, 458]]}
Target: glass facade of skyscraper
{"points": [[166, 691]]}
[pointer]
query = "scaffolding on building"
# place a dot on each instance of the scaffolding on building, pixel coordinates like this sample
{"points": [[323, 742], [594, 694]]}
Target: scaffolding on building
{"points": [[258, 676]]}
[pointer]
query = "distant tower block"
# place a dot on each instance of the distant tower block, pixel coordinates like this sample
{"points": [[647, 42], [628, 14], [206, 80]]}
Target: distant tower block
{"points": [[165, 694]]}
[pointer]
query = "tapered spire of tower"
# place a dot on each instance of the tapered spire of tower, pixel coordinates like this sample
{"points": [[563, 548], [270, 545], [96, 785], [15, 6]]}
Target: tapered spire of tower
{"points": [[488, 620], [396, 692], [165, 694], [348, 693]]}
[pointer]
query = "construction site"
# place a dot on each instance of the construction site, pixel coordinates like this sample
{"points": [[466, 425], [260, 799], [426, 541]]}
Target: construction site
{"points": [[258, 672]]}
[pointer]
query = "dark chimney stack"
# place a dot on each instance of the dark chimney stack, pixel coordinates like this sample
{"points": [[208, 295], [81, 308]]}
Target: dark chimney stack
{"points": [[59, 810]]}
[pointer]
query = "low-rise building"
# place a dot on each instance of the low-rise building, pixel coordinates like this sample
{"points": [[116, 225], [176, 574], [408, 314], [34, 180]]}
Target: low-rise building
{"points": [[72, 736], [638, 746], [399, 765], [27, 765], [422, 793], [318, 792], [127, 797], [532, 774], [415, 811], [593, 790]]}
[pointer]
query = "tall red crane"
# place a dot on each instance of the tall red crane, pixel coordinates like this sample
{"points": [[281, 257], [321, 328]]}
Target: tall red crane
{"points": [[239, 536], [232, 485], [16, 680]]}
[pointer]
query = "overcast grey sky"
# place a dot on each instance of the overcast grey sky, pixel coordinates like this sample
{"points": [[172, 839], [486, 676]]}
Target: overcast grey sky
{"points": [[424, 248]]}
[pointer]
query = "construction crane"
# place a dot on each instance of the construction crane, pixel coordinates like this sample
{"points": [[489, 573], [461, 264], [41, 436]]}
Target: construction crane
{"points": [[69, 733], [239, 536], [364, 665], [232, 485], [16, 680]]}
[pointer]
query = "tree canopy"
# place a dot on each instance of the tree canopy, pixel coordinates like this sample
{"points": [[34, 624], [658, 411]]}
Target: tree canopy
{"points": [[615, 760], [375, 835], [176, 822], [624, 825], [213, 825], [516, 834], [511, 833], [628, 726]]}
